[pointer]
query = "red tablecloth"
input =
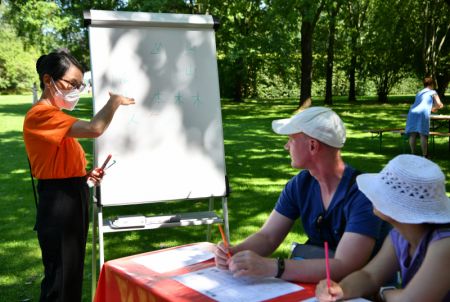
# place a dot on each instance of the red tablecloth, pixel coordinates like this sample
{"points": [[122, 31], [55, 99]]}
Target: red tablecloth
{"points": [[125, 280]]}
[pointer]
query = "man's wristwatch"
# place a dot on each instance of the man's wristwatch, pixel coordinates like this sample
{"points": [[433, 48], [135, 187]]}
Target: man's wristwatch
{"points": [[383, 289], [280, 266]]}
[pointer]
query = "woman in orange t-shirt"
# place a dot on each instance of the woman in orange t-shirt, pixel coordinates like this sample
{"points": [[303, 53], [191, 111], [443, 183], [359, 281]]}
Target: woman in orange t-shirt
{"points": [[58, 162]]}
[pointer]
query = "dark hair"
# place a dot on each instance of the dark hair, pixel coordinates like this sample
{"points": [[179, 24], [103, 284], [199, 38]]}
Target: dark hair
{"points": [[428, 81], [55, 64]]}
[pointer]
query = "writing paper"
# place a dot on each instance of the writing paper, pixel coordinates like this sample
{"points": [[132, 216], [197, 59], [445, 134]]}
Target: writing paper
{"points": [[175, 259], [220, 285]]}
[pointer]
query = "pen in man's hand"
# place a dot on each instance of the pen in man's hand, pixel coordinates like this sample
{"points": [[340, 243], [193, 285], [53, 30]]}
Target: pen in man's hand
{"points": [[225, 241]]}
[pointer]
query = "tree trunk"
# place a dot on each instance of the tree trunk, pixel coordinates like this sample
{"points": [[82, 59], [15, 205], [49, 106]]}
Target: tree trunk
{"points": [[330, 58], [306, 67], [382, 97], [442, 84], [382, 91], [238, 80], [237, 90], [352, 72]]}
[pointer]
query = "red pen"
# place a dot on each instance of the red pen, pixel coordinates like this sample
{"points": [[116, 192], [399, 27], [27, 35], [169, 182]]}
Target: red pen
{"points": [[106, 162], [224, 239]]}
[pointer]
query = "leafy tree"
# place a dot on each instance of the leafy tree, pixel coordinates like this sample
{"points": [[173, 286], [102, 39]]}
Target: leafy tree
{"points": [[274, 42], [305, 13], [332, 9], [17, 67], [386, 61], [163, 6], [279, 47], [430, 25], [38, 23], [356, 13], [310, 11], [239, 41], [49, 25]]}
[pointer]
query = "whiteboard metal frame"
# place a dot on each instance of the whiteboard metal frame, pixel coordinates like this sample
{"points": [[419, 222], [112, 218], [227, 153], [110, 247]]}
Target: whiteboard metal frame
{"points": [[103, 228], [123, 18]]}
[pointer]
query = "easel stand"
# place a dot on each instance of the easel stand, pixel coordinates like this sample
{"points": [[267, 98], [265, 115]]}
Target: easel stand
{"points": [[139, 223], [171, 140]]}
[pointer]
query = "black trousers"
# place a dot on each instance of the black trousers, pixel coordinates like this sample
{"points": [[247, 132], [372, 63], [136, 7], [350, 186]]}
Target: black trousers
{"points": [[62, 225]]}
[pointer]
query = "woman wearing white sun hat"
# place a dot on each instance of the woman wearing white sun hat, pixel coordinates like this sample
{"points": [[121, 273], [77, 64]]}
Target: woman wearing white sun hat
{"points": [[410, 194]]}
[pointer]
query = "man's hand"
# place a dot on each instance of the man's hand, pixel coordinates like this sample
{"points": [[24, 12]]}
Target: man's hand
{"points": [[221, 256], [248, 263]]}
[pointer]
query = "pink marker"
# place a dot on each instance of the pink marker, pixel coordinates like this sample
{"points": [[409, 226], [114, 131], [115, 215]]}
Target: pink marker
{"points": [[327, 264]]}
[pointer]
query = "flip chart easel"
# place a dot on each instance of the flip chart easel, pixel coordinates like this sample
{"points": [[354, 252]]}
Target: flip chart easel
{"points": [[169, 145]]}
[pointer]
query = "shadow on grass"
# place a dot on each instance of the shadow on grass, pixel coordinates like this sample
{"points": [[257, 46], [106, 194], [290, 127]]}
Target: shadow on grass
{"points": [[257, 166]]}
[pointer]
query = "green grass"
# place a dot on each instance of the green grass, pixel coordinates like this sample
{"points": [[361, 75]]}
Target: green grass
{"points": [[257, 166]]}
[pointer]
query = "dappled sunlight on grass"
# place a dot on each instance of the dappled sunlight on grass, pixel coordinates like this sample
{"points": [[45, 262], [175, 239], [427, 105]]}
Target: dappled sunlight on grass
{"points": [[19, 171], [262, 183], [257, 166]]}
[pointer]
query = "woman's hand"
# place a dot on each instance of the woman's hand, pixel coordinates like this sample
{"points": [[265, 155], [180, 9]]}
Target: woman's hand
{"points": [[325, 294], [120, 99], [95, 176]]}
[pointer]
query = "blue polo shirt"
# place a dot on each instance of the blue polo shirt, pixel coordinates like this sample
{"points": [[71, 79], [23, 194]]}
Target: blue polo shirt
{"points": [[349, 210]]}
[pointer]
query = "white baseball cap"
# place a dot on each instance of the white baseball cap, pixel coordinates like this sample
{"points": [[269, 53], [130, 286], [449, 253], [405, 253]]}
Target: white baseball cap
{"points": [[410, 189], [320, 123]]}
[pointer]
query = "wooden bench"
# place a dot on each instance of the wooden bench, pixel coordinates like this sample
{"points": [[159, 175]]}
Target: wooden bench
{"points": [[433, 134], [379, 133]]}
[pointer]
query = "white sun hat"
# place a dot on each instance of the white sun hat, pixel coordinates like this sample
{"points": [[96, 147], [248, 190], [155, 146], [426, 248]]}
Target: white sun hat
{"points": [[410, 189], [320, 123]]}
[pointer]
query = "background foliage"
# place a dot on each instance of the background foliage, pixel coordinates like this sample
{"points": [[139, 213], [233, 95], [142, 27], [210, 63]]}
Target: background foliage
{"points": [[265, 48]]}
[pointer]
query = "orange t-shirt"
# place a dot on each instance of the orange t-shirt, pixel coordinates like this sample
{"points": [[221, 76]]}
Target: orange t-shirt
{"points": [[52, 154]]}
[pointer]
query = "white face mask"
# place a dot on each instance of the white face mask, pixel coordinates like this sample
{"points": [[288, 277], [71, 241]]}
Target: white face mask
{"points": [[66, 99]]}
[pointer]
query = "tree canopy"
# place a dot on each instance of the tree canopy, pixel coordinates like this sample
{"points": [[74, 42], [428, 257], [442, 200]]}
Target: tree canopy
{"points": [[266, 48]]}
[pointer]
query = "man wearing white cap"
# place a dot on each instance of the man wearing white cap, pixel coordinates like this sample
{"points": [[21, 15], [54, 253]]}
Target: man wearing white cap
{"points": [[326, 199], [409, 193]]}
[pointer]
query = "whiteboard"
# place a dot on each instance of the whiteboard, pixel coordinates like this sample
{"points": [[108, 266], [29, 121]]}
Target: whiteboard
{"points": [[169, 145]]}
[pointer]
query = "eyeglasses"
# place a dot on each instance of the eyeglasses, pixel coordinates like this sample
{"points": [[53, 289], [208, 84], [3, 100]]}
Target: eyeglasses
{"points": [[80, 87]]}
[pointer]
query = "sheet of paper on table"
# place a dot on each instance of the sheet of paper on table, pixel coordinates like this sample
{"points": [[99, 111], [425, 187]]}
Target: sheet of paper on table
{"points": [[175, 259], [351, 300], [220, 285]]}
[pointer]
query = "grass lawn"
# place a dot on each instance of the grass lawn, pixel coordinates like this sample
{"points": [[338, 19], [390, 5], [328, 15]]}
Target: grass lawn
{"points": [[257, 167]]}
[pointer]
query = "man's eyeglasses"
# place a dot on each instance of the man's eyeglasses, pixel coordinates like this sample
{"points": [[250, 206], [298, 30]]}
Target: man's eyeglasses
{"points": [[79, 86]]}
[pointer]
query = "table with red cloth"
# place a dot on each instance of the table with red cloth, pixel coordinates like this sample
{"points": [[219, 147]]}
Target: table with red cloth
{"points": [[125, 279]]}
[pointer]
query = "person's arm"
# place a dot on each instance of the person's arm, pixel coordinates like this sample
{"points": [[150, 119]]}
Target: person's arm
{"points": [[431, 282], [352, 253], [358, 241], [101, 120], [364, 282], [377, 272], [248, 256], [437, 104]]}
